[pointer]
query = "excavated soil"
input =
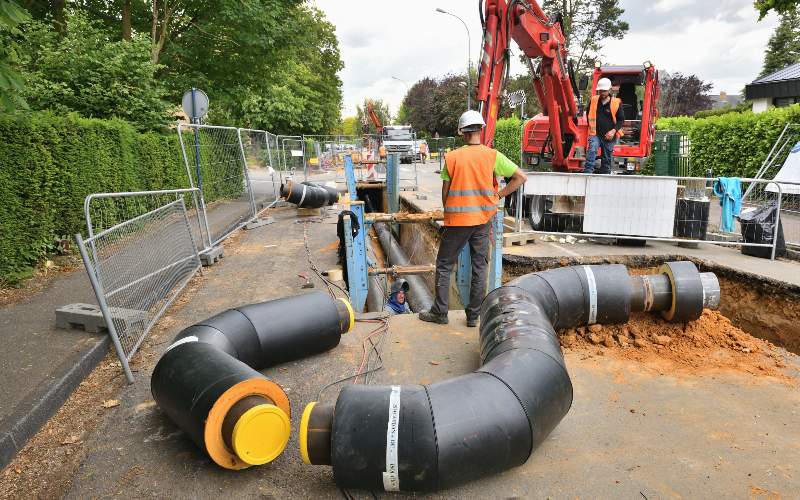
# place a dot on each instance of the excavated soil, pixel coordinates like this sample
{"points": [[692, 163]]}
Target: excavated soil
{"points": [[704, 347]]}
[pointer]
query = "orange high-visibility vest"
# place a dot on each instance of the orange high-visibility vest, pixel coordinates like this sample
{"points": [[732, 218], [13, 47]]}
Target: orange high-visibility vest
{"points": [[593, 114], [423, 148], [472, 200], [382, 151]]}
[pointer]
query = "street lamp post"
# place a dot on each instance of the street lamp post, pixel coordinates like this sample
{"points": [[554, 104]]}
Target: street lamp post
{"points": [[469, 55], [408, 91]]}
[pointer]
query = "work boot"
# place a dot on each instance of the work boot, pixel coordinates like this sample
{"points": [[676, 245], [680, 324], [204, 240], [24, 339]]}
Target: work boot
{"points": [[433, 317], [472, 323]]}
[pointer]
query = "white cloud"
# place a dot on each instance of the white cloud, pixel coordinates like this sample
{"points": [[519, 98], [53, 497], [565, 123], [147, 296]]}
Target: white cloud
{"points": [[720, 41]]}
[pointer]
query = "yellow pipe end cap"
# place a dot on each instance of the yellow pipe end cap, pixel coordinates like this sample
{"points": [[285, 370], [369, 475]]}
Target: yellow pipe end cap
{"points": [[352, 314], [261, 434], [304, 433]]}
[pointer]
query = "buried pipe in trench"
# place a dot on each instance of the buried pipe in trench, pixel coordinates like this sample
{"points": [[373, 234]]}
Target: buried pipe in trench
{"points": [[419, 297], [431, 437], [207, 382]]}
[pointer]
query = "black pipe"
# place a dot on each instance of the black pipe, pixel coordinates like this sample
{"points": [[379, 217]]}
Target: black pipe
{"points": [[305, 196], [207, 381], [431, 437], [333, 193], [419, 297]]}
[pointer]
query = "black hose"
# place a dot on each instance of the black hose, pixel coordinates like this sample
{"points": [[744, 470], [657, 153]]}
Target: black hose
{"points": [[431, 437]]}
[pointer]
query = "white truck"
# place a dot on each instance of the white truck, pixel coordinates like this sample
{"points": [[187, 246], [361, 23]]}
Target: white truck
{"points": [[399, 139]]}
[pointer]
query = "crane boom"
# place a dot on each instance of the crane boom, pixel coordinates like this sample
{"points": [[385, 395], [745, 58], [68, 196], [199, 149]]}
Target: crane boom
{"points": [[537, 36]]}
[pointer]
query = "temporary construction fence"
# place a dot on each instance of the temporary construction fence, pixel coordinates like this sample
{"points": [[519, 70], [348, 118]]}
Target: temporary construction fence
{"points": [[262, 160], [324, 156], [215, 163], [676, 209], [782, 164], [139, 262], [671, 151]]}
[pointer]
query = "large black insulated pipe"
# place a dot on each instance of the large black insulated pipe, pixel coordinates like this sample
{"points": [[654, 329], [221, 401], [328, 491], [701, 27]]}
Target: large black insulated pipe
{"points": [[333, 193], [419, 297], [431, 437], [305, 196], [207, 381]]}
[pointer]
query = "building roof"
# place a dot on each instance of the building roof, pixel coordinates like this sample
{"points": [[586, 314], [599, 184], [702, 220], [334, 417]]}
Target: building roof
{"points": [[782, 83], [732, 99]]}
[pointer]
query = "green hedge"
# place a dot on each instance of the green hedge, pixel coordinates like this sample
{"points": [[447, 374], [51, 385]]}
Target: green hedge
{"points": [[508, 138], [719, 112], [49, 164]]}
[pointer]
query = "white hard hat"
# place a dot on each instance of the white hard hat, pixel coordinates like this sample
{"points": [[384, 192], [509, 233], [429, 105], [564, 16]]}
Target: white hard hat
{"points": [[604, 84], [471, 121]]}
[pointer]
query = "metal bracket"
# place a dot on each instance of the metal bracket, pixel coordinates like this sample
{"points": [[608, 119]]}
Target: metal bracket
{"points": [[356, 253]]}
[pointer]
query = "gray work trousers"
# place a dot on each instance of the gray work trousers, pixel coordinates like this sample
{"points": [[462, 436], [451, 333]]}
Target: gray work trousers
{"points": [[453, 240]]}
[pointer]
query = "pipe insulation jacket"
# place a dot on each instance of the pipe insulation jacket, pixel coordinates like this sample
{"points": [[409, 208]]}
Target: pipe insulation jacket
{"points": [[207, 382], [431, 437], [333, 193], [305, 196]]}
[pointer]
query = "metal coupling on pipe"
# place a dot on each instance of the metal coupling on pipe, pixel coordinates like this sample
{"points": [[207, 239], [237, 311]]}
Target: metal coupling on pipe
{"points": [[396, 271]]}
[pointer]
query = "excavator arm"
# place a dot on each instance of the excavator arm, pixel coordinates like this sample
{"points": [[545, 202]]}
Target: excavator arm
{"points": [[369, 115], [537, 35]]}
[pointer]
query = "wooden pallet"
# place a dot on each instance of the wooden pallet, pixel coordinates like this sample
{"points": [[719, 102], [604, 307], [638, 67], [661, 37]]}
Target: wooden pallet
{"points": [[518, 239]]}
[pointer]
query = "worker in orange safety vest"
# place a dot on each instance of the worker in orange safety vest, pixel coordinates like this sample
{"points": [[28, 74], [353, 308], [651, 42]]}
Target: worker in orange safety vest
{"points": [[423, 152], [469, 197], [605, 122], [382, 152]]}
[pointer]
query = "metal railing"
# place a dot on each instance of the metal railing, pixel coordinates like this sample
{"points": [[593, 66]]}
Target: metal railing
{"points": [[140, 264], [215, 163], [262, 159], [670, 209]]}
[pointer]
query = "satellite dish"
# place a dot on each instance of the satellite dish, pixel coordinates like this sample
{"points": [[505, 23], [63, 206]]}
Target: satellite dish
{"points": [[200, 103]]}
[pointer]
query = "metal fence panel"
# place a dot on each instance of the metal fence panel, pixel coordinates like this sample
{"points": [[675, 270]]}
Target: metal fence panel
{"points": [[137, 268], [790, 201], [635, 207], [324, 160], [215, 163], [263, 164]]}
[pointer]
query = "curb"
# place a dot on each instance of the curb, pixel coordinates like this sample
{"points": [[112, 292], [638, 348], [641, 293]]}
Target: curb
{"points": [[46, 399]]}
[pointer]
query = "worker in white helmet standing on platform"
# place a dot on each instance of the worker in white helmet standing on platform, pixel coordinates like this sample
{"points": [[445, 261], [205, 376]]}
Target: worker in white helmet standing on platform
{"points": [[605, 123], [469, 196]]}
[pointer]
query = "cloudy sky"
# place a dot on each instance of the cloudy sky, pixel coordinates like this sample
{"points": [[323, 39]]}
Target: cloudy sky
{"points": [[720, 41]]}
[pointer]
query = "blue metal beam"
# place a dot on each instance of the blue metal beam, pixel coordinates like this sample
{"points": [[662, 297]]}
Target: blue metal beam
{"points": [[464, 274], [393, 182], [351, 176], [496, 253], [356, 253]]}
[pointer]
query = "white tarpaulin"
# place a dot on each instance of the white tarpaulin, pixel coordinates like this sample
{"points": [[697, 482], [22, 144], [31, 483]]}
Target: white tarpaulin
{"points": [[790, 172]]}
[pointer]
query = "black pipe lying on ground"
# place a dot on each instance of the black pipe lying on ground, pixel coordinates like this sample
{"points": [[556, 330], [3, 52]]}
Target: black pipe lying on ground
{"points": [[333, 193], [432, 437], [306, 196], [207, 381]]}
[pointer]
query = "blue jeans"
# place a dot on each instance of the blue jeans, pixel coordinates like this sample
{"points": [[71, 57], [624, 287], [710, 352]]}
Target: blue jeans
{"points": [[606, 151]]}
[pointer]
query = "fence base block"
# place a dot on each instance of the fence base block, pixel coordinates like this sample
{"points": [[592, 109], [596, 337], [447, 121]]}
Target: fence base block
{"points": [[277, 204], [259, 222], [91, 317], [210, 257], [688, 244], [510, 239]]}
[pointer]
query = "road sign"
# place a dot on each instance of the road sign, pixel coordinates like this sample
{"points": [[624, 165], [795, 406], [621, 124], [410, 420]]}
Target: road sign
{"points": [[516, 98], [200, 108]]}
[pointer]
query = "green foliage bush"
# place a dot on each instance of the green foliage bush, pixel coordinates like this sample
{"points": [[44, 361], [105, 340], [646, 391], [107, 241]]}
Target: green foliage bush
{"points": [[719, 112], [49, 164], [508, 138]]}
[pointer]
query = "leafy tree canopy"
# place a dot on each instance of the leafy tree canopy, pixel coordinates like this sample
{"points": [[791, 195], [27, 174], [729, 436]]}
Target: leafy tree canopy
{"points": [[381, 110], [88, 72], [11, 15], [682, 95], [783, 47], [780, 6]]}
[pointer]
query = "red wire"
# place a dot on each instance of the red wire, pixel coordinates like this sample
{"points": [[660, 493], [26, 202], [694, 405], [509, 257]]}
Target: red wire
{"points": [[379, 330]]}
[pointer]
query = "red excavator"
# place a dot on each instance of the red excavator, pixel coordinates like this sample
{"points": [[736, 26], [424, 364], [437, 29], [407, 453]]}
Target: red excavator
{"points": [[558, 137], [369, 114]]}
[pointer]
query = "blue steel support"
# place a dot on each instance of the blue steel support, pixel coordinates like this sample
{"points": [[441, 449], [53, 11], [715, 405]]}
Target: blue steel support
{"points": [[351, 176], [496, 253], [393, 182], [464, 274], [356, 257]]}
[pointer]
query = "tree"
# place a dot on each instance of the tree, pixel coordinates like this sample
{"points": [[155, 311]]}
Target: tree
{"points": [[84, 71], [11, 15], [587, 24], [532, 106], [683, 95], [381, 110], [783, 47], [780, 6]]}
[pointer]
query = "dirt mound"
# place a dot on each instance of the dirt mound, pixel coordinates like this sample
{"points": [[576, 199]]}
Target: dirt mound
{"points": [[706, 346]]}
